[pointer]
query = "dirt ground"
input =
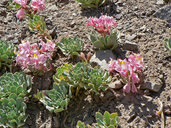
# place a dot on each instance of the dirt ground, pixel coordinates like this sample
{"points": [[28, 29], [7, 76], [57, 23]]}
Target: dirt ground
{"points": [[136, 23]]}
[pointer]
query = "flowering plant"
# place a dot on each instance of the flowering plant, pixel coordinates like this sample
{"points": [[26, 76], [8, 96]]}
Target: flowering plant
{"points": [[35, 23], [35, 58], [167, 44], [128, 70], [104, 37]]}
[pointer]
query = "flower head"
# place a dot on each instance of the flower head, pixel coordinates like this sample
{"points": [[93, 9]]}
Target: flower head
{"points": [[37, 5], [31, 57], [103, 24]]}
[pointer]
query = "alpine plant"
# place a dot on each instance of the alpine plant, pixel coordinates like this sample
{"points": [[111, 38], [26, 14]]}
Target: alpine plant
{"points": [[128, 70], [35, 57]]}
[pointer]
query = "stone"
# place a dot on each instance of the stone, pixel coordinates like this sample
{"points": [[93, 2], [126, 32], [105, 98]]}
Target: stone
{"points": [[101, 58], [164, 13], [3, 12], [46, 84], [151, 86], [115, 85], [89, 121], [72, 24], [130, 37], [130, 45], [53, 8], [160, 2], [56, 122]]}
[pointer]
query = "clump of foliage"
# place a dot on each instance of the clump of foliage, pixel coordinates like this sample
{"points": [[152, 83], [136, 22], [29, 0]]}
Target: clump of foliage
{"points": [[104, 42], [91, 3], [37, 24], [103, 121], [12, 111], [56, 100], [13, 89], [71, 46], [82, 75], [167, 44], [17, 83], [6, 53], [104, 36]]}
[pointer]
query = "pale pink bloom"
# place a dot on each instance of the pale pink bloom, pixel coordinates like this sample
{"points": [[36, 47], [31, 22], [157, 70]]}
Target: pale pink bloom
{"points": [[49, 46], [127, 87], [21, 13], [103, 24], [121, 66], [111, 65], [21, 2], [34, 45], [37, 5], [136, 61], [135, 79]]}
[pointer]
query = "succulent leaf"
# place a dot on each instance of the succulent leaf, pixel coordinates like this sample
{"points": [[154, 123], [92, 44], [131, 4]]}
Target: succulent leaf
{"points": [[167, 44]]}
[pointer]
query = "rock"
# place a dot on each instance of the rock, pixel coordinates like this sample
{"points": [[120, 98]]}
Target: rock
{"points": [[72, 24], [53, 8], [129, 37], [151, 86], [118, 16], [164, 13], [130, 45], [56, 122], [53, 31], [4, 2], [131, 117], [89, 121], [46, 84], [115, 85], [101, 58], [160, 2], [3, 12]]}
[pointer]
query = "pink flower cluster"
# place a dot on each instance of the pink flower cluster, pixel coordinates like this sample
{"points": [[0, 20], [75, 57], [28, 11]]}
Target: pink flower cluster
{"points": [[128, 69], [35, 57], [35, 6], [103, 24]]}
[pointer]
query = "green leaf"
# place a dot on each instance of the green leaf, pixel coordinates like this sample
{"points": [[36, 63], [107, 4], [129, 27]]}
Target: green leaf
{"points": [[58, 110], [4, 57], [80, 124], [13, 89], [107, 117], [19, 90], [13, 96], [99, 118], [110, 126], [98, 44]]}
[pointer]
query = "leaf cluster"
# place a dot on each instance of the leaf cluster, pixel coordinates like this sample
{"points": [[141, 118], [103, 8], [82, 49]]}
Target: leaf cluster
{"points": [[107, 42], [91, 3], [13, 89], [6, 53], [167, 44], [103, 121], [56, 100], [82, 75], [17, 83], [36, 23], [71, 46]]}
